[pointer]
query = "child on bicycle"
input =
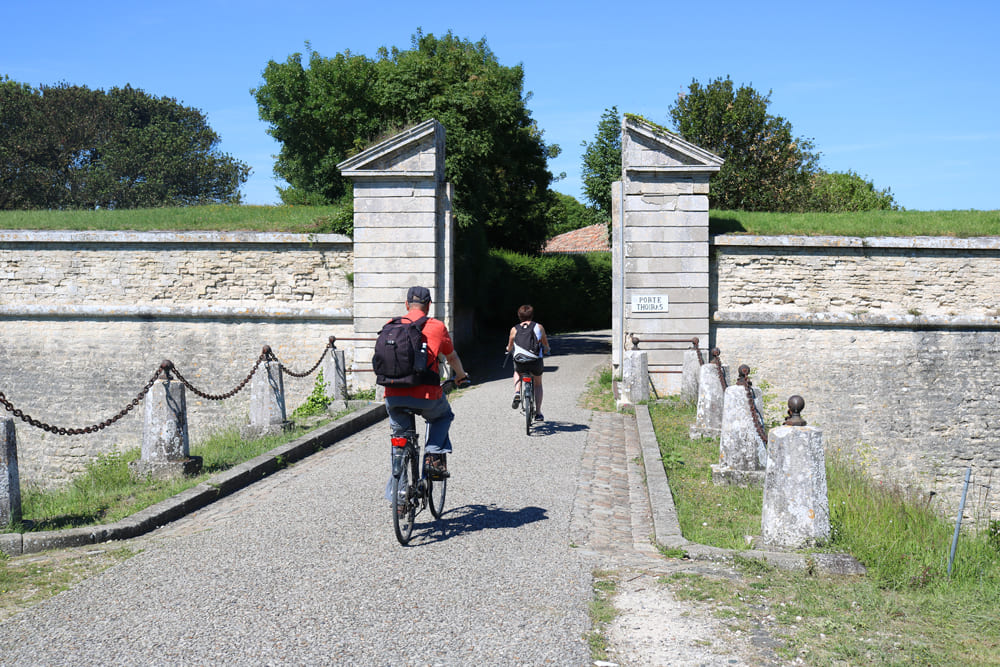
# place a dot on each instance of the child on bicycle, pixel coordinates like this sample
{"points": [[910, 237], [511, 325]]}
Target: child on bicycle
{"points": [[528, 343]]}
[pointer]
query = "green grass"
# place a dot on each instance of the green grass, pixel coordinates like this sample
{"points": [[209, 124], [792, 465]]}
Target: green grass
{"points": [[295, 219], [602, 613], [904, 611], [322, 219], [961, 224]]}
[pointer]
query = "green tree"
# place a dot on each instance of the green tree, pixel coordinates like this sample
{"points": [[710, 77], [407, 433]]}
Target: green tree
{"points": [[565, 214], [602, 161], [834, 192], [766, 168], [67, 146], [496, 157]]}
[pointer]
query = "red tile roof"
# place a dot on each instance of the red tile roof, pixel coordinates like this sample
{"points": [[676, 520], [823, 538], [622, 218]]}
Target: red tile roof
{"points": [[585, 239]]}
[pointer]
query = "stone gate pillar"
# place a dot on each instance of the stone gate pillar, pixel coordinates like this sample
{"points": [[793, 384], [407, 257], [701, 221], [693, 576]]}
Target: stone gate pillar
{"points": [[403, 233], [660, 246]]}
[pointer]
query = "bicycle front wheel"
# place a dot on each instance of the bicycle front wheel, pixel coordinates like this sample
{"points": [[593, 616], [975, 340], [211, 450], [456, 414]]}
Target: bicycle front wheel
{"points": [[403, 507], [529, 406], [437, 489]]}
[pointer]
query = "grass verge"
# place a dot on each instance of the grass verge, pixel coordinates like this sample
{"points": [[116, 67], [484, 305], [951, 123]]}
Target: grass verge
{"points": [[221, 218], [602, 612], [905, 611], [961, 224]]}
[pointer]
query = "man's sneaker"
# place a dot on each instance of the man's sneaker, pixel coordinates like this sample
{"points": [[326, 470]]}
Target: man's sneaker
{"points": [[516, 402], [539, 417], [436, 466]]}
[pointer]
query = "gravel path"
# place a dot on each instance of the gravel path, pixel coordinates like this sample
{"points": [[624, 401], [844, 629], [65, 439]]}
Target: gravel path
{"points": [[303, 567]]}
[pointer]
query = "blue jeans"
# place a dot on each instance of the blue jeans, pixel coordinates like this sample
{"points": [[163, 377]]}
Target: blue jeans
{"points": [[436, 412]]}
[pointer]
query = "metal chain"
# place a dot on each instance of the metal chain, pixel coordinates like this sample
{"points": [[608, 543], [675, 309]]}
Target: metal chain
{"points": [[221, 397], [58, 430], [718, 367], [288, 371], [758, 420]]}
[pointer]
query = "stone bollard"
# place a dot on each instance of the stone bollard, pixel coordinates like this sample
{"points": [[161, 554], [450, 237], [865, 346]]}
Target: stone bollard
{"points": [[335, 376], [165, 453], [742, 453], [267, 401], [708, 422], [10, 485], [635, 378], [689, 375], [796, 510]]}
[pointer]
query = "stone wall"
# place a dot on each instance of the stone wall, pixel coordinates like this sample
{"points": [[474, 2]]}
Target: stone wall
{"points": [[893, 343], [87, 317]]}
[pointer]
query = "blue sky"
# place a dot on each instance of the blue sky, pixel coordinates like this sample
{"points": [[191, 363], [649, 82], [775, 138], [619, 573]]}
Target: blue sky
{"points": [[905, 94]]}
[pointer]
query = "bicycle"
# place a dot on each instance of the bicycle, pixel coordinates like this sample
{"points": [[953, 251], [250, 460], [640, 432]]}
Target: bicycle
{"points": [[526, 392], [412, 488], [527, 384]]}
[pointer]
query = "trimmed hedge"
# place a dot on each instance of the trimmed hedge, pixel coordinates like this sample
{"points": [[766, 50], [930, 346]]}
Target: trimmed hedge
{"points": [[568, 292]]}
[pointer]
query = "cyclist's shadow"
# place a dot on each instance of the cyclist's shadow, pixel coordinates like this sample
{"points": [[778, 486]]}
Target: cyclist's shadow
{"points": [[473, 518]]}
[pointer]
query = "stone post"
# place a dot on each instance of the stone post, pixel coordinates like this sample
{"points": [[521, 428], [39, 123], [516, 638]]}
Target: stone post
{"points": [[708, 422], [742, 454], [635, 378], [335, 376], [689, 375], [165, 449], [796, 510], [10, 485], [267, 401]]}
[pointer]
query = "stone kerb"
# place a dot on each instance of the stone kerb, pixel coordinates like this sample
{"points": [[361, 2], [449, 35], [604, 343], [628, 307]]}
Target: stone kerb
{"points": [[403, 232], [660, 238]]}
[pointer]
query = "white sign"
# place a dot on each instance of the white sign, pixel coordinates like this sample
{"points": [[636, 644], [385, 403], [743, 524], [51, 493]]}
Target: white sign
{"points": [[649, 303]]}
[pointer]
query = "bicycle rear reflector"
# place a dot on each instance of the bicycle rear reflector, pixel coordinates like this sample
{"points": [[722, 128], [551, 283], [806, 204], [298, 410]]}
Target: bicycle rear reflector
{"points": [[398, 442]]}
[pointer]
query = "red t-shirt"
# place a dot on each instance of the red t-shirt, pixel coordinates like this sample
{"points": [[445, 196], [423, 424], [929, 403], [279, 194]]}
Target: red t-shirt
{"points": [[438, 342]]}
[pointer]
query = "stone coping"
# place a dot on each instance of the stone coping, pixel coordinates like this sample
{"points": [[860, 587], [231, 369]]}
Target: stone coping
{"points": [[885, 242], [268, 238], [667, 529], [857, 320], [197, 497], [181, 311]]}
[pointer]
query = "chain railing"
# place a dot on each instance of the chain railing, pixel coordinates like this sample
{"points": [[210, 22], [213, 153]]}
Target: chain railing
{"points": [[359, 339], [58, 430], [166, 370], [758, 418], [635, 339]]}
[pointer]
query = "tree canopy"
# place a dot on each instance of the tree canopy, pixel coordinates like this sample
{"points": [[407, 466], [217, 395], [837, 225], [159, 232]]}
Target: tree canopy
{"points": [[67, 146], [602, 161], [766, 168], [335, 107]]}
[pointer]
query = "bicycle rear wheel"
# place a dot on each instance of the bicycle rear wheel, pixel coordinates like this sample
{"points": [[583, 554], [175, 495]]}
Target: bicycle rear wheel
{"points": [[436, 491], [403, 507], [529, 406]]}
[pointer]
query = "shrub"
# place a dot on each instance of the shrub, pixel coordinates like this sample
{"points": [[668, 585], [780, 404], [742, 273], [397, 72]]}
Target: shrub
{"points": [[568, 292]]}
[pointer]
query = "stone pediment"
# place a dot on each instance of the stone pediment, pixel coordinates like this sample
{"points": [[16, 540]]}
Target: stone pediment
{"points": [[647, 148], [414, 153]]}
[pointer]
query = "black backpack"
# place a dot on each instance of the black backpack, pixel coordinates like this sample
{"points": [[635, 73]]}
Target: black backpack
{"points": [[400, 358], [527, 347]]}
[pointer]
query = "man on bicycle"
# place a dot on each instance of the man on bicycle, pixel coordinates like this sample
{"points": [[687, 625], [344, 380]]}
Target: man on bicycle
{"points": [[537, 346], [427, 400]]}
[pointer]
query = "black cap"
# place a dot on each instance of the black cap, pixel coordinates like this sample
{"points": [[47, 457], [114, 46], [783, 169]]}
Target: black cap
{"points": [[418, 294]]}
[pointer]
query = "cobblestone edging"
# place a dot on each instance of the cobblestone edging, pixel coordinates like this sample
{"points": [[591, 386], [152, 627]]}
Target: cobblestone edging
{"points": [[223, 484]]}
